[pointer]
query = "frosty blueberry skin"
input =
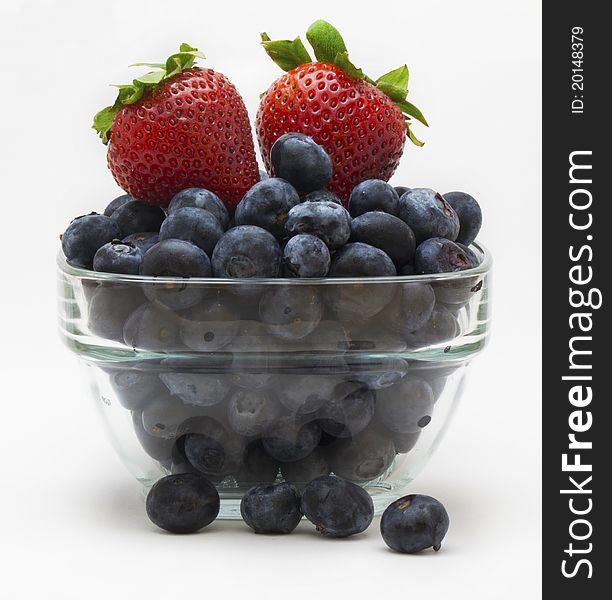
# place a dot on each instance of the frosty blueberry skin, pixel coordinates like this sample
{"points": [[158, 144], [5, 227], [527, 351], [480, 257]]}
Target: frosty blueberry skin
{"points": [[271, 508], [328, 221], [373, 195], [134, 217], [428, 214], [194, 225], [85, 235], [414, 523], [200, 198], [469, 213]]}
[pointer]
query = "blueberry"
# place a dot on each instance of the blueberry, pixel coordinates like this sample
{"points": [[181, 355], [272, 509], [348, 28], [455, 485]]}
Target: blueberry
{"points": [[441, 327], [336, 507], [154, 328], [178, 463], [135, 216], [406, 407], [455, 294], [386, 232], [428, 214], [198, 389], [142, 241], [378, 371], [267, 205], [118, 202], [263, 175], [327, 220], [164, 414], [404, 442], [210, 325], [158, 448], [251, 412], [469, 213], [175, 258], [470, 255], [288, 440], [257, 465], [407, 269], [109, 308], [193, 225], [361, 260], [349, 412], [183, 503], [211, 449], [301, 161], [439, 255], [362, 458], [414, 523], [305, 394], [85, 235], [291, 312], [322, 196], [246, 252], [300, 472], [200, 198], [411, 308], [271, 508], [135, 389], [373, 194], [306, 256], [401, 190], [118, 257]]}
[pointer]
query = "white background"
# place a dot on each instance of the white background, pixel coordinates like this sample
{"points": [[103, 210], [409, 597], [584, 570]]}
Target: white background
{"points": [[73, 523]]}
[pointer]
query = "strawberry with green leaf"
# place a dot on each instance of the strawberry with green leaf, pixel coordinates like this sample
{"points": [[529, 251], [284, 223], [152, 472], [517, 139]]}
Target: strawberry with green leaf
{"points": [[176, 127], [362, 123]]}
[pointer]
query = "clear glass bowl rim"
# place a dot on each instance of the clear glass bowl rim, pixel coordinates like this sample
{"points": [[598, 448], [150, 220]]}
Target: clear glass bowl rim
{"points": [[85, 274]]}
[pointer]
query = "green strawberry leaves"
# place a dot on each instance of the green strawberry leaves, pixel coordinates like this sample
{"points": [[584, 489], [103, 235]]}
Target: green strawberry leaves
{"points": [[329, 47], [132, 92]]}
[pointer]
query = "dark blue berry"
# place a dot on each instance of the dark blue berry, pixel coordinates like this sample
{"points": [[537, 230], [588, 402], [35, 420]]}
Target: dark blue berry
{"points": [[291, 312], [211, 449], [322, 196], [85, 235], [439, 255], [246, 252], [408, 269], [470, 255], [194, 225], [271, 508], [118, 257], [251, 412], [119, 201], [428, 214], [158, 448], [379, 372], [373, 194], [404, 442], [135, 217], [361, 260], [336, 507], [211, 324], [469, 213], [288, 439], [267, 205], [406, 407], [327, 220], [257, 465], [401, 190], [386, 232], [164, 414], [142, 241], [109, 308], [200, 198], [183, 503], [411, 308], [301, 161], [306, 256], [198, 389], [135, 389], [414, 523], [300, 472], [441, 327], [154, 328], [362, 458], [350, 410], [176, 258]]}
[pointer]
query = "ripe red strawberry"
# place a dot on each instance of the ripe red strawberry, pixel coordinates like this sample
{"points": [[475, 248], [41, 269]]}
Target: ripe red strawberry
{"points": [[361, 123], [179, 127]]}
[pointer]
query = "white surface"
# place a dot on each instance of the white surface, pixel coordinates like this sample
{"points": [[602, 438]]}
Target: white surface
{"points": [[73, 524]]}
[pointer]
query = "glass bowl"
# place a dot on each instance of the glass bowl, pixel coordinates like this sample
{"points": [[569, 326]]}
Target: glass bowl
{"points": [[252, 381]]}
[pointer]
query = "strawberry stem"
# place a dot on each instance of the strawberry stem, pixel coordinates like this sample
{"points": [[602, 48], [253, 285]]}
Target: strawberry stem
{"points": [[132, 92], [329, 47]]}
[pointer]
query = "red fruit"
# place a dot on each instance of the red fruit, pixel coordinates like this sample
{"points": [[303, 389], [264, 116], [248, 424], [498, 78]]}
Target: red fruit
{"points": [[361, 128], [361, 123], [190, 129]]}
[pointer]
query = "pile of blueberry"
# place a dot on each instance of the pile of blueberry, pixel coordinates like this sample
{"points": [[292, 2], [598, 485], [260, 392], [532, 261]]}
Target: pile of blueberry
{"points": [[188, 502], [288, 225]]}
